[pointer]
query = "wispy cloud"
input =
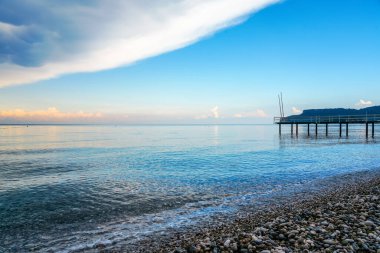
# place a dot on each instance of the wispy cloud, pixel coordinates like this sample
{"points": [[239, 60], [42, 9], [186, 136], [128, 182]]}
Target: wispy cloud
{"points": [[295, 110], [215, 112], [85, 36], [363, 103], [52, 114]]}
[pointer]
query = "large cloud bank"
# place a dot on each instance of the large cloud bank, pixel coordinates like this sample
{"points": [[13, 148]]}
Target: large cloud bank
{"points": [[41, 39]]}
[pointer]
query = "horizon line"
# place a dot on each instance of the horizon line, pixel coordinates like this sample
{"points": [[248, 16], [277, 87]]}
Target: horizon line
{"points": [[109, 124]]}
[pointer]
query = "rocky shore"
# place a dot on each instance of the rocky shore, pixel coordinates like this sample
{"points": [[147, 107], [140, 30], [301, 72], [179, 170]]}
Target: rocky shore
{"points": [[339, 214], [345, 218]]}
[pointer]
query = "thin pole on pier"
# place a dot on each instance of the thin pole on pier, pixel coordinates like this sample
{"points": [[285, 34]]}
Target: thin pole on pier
{"points": [[340, 130], [279, 105], [346, 129], [297, 129], [316, 129], [291, 127], [366, 130], [282, 106], [373, 129], [308, 129], [279, 129], [327, 129]]}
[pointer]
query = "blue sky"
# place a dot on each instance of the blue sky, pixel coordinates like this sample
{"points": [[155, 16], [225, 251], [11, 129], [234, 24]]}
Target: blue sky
{"points": [[319, 53]]}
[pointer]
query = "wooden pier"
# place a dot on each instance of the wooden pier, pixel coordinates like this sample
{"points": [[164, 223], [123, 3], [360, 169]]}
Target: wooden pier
{"points": [[342, 121]]}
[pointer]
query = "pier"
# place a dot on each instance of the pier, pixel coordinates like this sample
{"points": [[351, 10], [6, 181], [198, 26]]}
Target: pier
{"points": [[342, 121]]}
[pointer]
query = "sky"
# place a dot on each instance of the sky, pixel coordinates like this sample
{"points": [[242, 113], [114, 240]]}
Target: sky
{"points": [[186, 61]]}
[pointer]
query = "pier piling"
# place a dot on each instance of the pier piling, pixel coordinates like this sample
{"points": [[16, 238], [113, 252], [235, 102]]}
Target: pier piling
{"points": [[373, 130], [328, 120]]}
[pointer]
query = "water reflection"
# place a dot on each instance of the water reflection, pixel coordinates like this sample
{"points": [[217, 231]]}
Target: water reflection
{"points": [[215, 135]]}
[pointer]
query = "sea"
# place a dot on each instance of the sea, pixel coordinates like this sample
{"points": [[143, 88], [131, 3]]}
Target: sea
{"points": [[71, 188]]}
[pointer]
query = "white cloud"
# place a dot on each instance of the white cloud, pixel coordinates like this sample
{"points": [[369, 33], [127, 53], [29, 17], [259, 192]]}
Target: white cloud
{"points": [[295, 110], [51, 114], [215, 112], [75, 36], [9, 29], [363, 103], [259, 113]]}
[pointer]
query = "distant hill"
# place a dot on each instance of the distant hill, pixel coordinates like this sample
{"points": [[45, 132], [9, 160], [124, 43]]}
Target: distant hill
{"points": [[338, 111]]}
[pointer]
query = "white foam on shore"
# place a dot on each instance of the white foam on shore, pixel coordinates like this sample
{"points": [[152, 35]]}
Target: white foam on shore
{"points": [[133, 229]]}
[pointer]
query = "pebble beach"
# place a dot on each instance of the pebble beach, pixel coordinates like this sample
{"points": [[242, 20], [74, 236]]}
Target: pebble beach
{"points": [[340, 218]]}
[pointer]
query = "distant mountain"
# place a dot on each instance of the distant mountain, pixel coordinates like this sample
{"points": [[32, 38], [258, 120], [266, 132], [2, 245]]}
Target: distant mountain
{"points": [[338, 111]]}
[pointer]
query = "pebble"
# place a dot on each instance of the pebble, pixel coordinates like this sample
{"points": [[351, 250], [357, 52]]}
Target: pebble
{"points": [[328, 241], [369, 223], [227, 243]]}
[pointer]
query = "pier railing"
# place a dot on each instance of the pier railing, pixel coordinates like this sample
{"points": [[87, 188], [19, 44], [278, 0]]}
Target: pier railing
{"points": [[328, 119]]}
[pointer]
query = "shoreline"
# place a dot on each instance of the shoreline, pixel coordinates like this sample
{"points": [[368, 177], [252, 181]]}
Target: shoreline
{"points": [[343, 216]]}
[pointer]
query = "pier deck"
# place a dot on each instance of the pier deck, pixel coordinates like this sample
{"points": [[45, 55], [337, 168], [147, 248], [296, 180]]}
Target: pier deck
{"points": [[327, 120]]}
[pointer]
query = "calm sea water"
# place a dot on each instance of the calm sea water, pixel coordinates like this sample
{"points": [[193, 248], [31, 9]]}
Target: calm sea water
{"points": [[67, 188]]}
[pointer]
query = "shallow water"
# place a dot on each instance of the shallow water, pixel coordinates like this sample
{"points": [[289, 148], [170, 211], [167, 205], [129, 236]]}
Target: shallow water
{"points": [[68, 188]]}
